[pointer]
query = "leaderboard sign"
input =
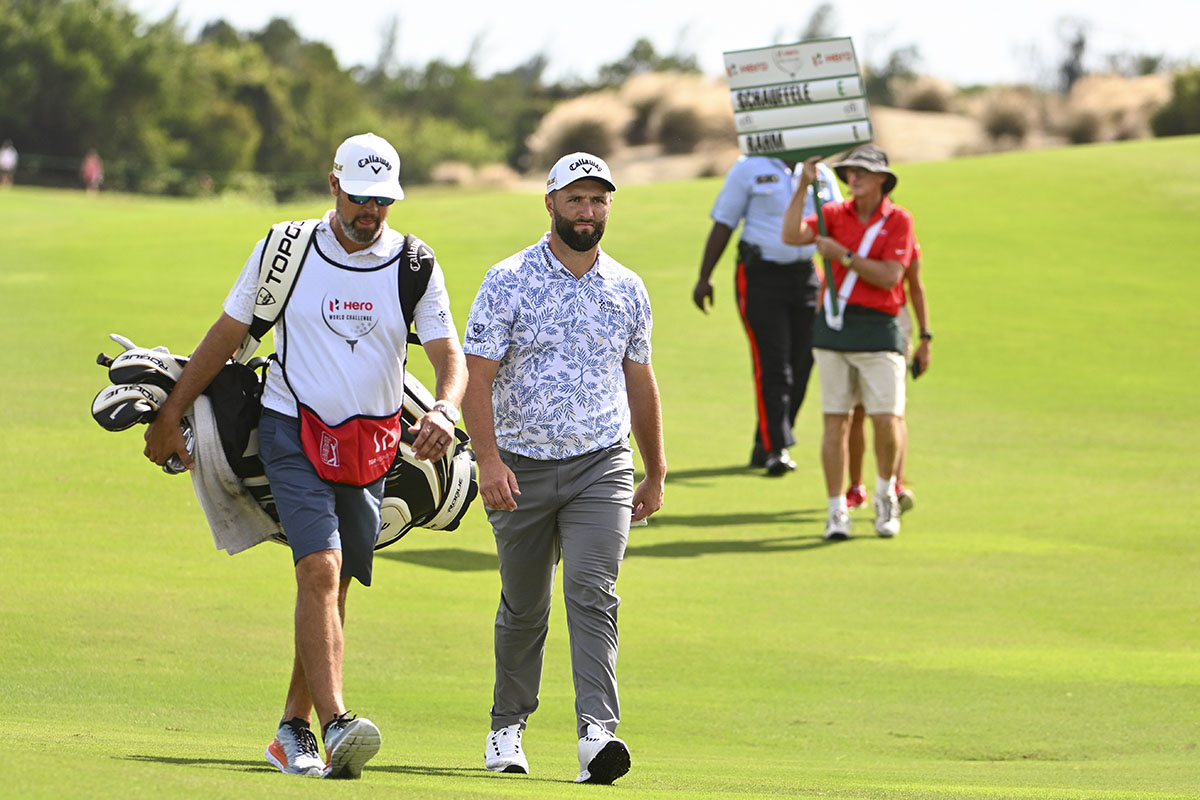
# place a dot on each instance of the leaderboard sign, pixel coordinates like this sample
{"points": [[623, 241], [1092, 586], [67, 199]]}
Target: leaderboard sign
{"points": [[799, 100]]}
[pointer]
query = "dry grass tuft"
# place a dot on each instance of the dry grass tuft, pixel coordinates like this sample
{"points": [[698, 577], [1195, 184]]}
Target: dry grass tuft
{"points": [[594, 123]]}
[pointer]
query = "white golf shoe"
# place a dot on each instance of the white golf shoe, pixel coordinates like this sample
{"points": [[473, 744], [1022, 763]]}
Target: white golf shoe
{"points": [[503, 753], [887, 515], [837, 526], [602, 756], [294, 750], [350, 742]]}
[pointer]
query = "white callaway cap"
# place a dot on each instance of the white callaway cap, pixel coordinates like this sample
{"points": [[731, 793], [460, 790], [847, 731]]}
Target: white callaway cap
{"points": [[576, 167], [367, 165]]}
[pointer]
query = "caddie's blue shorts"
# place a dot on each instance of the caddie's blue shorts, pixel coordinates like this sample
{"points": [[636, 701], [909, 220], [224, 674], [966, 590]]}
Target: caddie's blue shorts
{"points": [[317, 514]]}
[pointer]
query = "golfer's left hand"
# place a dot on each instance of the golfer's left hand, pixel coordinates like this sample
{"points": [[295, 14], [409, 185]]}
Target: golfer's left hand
{"points": [[647, 498]]}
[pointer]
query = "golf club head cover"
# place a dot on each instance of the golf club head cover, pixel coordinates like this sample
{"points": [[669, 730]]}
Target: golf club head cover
{"points": [[119, 407], [139, 365]]}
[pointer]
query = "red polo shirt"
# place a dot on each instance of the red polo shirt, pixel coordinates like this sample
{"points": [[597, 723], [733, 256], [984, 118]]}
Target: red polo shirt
{"points": [[895, 242]]}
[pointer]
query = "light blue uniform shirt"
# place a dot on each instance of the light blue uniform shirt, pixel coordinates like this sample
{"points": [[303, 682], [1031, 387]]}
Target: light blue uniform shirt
{"points": [[758, 190]]}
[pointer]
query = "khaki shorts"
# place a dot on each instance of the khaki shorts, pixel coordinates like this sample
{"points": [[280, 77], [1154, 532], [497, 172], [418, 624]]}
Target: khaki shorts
{"points": [[875, 379]]}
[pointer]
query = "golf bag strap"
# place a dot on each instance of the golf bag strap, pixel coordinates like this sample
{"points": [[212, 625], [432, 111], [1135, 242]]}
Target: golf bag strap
{"points": [[414, 273], [282, 257]]}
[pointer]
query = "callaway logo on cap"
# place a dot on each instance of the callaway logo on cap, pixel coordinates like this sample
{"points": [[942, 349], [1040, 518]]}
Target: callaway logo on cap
{"points": [[367, 165], [577, 166]]}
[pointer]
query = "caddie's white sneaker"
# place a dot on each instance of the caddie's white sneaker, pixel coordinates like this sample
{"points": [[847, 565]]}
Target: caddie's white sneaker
{"points": [[350, 742], [294, 750], [887, 515], [837, 527], [502, 751], [602, 756]]}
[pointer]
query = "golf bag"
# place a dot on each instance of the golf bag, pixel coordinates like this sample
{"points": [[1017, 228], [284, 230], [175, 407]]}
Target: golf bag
{"points": [[417, 494]]}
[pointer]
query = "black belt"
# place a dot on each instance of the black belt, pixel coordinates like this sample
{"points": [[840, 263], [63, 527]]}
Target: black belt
{"points": [[752, 254]]}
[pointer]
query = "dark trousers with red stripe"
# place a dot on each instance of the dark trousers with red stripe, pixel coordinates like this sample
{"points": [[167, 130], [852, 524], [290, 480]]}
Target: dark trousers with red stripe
{"points": [[777, 303]]}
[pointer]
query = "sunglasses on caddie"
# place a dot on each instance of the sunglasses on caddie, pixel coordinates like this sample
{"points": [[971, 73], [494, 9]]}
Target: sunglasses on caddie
{"points": [[363, 199]]}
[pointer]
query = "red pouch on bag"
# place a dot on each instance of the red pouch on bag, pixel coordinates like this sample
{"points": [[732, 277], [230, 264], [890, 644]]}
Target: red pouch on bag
{"points": [[358, 452]]}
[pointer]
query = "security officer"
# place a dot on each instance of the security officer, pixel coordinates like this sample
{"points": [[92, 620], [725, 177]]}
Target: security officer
{"points": [[776, 287]]}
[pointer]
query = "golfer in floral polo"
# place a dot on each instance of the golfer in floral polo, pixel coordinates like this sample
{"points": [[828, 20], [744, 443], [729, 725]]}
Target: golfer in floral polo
{"points": [[558, 354]]}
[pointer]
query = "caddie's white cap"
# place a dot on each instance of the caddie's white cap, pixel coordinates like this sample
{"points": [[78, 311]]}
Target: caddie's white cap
{"points": [[576, 167], [367, 165]]}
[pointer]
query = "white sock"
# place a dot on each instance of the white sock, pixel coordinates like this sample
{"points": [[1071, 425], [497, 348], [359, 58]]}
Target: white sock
{"points": [[838, 504], [885, 486]]}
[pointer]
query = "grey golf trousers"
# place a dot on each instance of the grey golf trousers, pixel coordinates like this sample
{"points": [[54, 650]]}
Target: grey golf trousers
{"points": [[579, 509]]}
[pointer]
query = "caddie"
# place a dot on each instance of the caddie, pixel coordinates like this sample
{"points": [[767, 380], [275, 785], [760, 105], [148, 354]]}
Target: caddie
{"points": [[331, 421]]}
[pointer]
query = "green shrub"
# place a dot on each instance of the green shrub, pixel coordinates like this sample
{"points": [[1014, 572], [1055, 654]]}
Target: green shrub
{"points": [[1181, 115]]}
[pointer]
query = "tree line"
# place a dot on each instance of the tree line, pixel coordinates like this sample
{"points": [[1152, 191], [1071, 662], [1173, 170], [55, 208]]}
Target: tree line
{"points": [[248, 110]]}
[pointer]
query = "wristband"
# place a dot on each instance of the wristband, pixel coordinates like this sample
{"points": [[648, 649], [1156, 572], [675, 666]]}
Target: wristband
{"points": [[927, 336]]}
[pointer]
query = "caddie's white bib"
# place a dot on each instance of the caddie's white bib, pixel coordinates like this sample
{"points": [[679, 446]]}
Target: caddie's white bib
{"points": [[343, 342]]}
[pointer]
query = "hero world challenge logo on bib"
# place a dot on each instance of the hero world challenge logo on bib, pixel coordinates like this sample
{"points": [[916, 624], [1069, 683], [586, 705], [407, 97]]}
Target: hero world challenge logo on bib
{"points": [[348, 318]]}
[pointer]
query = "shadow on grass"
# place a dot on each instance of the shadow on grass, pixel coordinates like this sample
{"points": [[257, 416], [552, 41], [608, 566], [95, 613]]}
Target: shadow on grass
{"points": [[460, 772], [791, 516], [255, 765], [674, 476], [239, 765], [454, 559], [779, 544], [451, 559]]}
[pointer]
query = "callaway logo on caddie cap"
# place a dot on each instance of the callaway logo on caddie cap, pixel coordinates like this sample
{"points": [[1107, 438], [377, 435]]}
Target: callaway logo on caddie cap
{"points": [[368, 165]]}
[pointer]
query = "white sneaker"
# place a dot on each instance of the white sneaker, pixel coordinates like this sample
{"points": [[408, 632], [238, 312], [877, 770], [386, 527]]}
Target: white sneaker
{"points": [[837, 527], [294, 750], [887, 515], [908, 501], [602, 756], [503, 753], [350, 742]]}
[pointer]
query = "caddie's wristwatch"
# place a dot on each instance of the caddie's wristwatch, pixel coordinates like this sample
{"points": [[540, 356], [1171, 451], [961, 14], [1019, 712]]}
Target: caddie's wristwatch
{"points": [[927, 335], [849, 257], [447, 410]]}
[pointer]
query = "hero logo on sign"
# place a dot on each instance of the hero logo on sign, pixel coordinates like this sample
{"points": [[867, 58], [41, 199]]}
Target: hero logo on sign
{"points": [[789, 59]]}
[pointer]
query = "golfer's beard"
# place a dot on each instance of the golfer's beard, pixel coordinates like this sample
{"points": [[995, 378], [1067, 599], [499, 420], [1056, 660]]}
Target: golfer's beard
{"points": [[358, 235], [581, 242]]}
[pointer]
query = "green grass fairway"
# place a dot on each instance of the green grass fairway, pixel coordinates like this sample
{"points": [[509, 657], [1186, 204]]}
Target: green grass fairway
{"points": [[1032, 633]]}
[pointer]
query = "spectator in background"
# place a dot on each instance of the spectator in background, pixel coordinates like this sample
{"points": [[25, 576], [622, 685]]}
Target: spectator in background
{"points": [[8, 162], [91, 171], [776, 289]]}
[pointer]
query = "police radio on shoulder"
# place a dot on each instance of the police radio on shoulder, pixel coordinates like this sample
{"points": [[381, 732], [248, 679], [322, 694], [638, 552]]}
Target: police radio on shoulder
{"points": [[447, 410]]}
